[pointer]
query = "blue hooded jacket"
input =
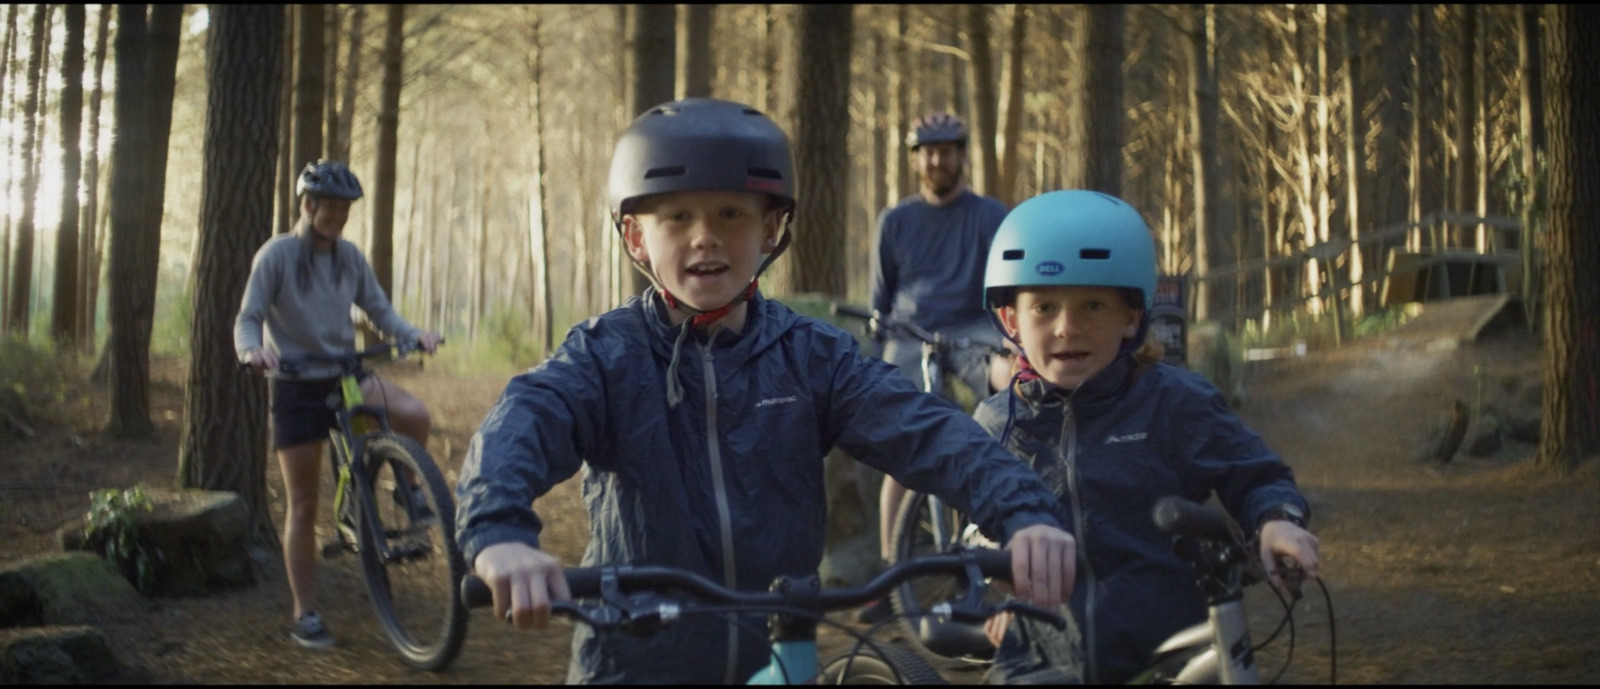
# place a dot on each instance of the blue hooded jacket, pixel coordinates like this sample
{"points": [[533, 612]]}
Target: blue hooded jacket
{"points": [[729, 482], [1128, 436]]}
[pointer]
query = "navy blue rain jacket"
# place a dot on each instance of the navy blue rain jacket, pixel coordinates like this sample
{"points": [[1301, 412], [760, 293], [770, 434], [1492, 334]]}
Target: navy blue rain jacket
{"points": [[1125, 438], [742, 509]]}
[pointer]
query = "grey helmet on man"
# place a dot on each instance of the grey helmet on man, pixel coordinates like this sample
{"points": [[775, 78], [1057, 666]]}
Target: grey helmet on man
{"points": [[937, 128], [328, 179]]}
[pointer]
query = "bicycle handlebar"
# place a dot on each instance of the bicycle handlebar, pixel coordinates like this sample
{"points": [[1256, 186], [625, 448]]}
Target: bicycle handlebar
{"points": [[1181, 517], [347, 362], [618, 587], [879, 326]]}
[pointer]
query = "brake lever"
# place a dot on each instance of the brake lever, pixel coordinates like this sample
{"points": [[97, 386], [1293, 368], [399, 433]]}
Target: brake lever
{"points": [[1034, 612], [1292, 575]]}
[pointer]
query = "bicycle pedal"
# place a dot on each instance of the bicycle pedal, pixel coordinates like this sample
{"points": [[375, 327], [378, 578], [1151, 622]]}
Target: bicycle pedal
{"points": [[333, 549]]}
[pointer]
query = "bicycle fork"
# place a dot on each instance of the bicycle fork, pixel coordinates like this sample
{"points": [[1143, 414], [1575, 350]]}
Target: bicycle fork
{"points": [[1237, 662], [1221, 648]]}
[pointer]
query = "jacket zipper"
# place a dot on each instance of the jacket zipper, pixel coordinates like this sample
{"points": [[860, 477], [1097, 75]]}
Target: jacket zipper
{"points": [[725, 521], [1068, 453]]}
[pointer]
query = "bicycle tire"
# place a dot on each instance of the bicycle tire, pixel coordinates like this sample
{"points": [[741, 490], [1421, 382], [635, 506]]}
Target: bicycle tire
{"points": [[914, 536], [882, 663], [426, 622]]}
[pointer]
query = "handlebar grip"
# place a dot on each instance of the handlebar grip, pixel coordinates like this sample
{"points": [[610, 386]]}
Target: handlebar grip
{"points": [[993, 563], [583, 582], [475, 593], [1175, 515], [852, 311]]}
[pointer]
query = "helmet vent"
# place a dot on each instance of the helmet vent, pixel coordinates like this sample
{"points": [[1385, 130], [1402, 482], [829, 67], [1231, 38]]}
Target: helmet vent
{"points": [[1011, 255], [1094, 254], [673, 171], [753, 111], [765, 172]]}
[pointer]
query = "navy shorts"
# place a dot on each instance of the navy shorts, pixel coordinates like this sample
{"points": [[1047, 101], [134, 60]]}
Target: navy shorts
{"points": [[303, 410]]}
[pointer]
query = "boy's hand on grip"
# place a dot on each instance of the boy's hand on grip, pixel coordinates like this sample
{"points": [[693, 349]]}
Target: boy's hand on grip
{"points": [[1043, 565]]}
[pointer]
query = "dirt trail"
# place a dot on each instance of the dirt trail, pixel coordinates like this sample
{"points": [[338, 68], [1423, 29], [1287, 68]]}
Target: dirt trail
{"points": [[1474, 571]]}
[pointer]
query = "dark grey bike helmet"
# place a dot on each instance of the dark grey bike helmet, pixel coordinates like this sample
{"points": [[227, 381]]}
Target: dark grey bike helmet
{"points": [[700, 144], [937, 128], [328, 179]]}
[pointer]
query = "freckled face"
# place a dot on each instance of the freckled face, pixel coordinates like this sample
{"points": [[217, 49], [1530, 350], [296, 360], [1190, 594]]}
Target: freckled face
{"points": [[704, 246], [1070, 333]]}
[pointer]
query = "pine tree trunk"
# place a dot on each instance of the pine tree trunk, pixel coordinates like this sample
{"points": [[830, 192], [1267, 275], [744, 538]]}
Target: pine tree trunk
{"points": [[1203, 120], [980, 74], [654, 58], [352, 73], [822, 55], [879, 176], [1531, 126], [138, 185], [90, 247], [309, 74], [224, 443], [1424, 108], [1099, 115], [383, 188], [21, 291], [1355, 128], [1466, 186], [9, 55], [546, 308], [902, 109], [1571, 429], [287, 170], [1011, 118], [330, 85], [64, 314], [700, 68]]}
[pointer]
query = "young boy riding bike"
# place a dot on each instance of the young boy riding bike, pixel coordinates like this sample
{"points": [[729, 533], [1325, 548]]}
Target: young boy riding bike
{"points": [[1111, 430], [700, 413]]}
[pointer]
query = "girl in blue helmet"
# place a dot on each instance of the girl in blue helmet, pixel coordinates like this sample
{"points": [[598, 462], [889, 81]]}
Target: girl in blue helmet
{"points": [[1111, 429]]}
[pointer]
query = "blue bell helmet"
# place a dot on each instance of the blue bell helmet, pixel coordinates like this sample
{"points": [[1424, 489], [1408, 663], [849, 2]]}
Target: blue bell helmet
{"points": [[1074, 237]]}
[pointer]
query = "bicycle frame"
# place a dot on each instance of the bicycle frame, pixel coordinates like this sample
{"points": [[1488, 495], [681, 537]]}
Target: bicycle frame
{"points": [[350, 438], [355, 423]]}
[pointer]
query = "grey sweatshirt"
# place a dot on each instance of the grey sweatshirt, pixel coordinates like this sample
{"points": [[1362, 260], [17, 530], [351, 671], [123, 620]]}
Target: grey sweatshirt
{"points": [[304, 297]]}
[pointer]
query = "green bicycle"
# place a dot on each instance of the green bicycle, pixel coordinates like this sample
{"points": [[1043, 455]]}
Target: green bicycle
{"points": [[393, 507]]}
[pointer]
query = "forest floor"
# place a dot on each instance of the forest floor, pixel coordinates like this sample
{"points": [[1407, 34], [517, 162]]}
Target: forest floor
{"points": [[1472, 571]]}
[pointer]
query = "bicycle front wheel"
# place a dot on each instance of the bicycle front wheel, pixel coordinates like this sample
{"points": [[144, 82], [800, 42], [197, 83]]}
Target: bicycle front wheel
{"points": [[882, 663], [408, 552], [925, 527]]}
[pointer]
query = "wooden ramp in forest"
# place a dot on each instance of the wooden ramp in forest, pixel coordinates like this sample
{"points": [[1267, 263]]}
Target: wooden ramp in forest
{"points": [[1449, 323]]}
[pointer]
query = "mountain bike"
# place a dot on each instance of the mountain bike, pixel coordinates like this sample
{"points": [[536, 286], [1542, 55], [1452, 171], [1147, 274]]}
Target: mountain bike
{"points": [[643, 599], [1219, 650], [392, 507], [923, 523]]}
